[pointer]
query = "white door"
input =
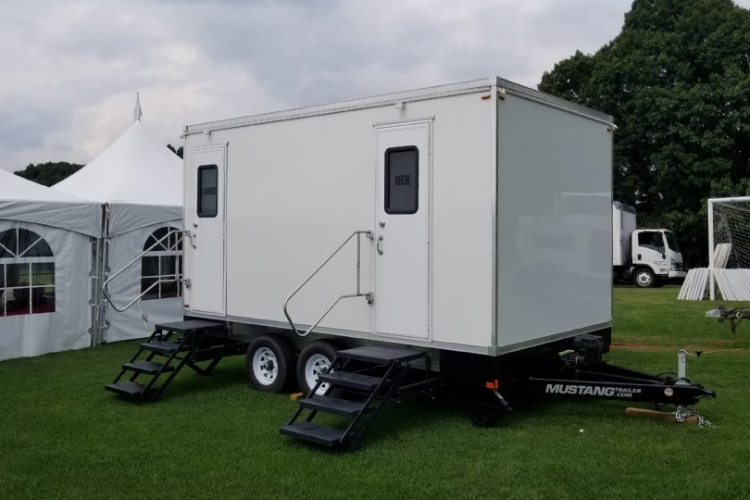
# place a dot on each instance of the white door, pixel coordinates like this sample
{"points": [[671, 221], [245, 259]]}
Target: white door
{"points": [[402, 260], [205, 219]]}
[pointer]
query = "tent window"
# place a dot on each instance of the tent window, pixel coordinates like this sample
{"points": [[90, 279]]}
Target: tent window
{"points": [[27, 274], [208, 191], [161, 266]]}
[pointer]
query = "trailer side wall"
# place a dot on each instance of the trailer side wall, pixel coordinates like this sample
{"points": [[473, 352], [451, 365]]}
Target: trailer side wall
{"points": [[297, 188], [553, 223]]}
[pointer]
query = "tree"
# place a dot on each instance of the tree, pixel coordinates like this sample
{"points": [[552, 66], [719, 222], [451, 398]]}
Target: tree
{"points": [[48, 173], [677, 81]]}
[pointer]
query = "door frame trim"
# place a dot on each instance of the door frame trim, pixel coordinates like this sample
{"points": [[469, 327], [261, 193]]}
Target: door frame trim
{"points": [[406, 124], [224, 148]]}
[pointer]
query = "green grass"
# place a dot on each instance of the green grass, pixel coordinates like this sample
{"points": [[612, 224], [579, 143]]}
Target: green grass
{"points": [[62, 436]]}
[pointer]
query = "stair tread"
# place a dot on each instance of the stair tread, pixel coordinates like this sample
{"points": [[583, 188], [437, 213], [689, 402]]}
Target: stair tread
{"points": [[381, 354], [162, 346], [319, 434], [127, 388], [336, 406], [147, 367], [193, 325], [351, 380]]}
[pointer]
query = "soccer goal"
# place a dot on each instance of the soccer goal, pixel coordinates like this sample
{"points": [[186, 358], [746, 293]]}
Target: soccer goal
{"points": [[729, 247]]}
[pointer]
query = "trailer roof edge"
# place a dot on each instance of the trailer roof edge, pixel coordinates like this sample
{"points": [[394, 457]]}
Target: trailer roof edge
{"points": [[470, 86]]}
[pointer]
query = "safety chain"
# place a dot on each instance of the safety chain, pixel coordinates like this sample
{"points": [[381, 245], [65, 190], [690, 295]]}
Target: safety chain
{"points": [[682, 414]]}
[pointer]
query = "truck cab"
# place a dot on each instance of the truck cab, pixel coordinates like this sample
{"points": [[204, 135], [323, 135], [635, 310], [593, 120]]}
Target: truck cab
{"points": [[656, 258], [650, 257]]}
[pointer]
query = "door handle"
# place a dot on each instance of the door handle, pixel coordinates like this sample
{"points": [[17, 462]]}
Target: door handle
{"points": [[191, 237], [380, 240]]}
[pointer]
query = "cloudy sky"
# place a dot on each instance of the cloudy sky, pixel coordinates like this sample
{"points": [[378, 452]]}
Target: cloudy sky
{"points": [[71, 68]]}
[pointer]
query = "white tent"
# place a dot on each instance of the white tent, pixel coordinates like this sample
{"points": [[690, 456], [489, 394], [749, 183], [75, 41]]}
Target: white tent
{"points": [[139, 183], [47, 247]]}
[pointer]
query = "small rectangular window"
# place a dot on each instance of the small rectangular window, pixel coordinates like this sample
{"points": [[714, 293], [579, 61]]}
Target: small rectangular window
{"points": [[402, 180], [208, 191]]}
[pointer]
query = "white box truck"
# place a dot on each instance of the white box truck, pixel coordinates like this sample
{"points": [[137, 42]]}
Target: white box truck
{"points": [[650, 257], [352, 247]]}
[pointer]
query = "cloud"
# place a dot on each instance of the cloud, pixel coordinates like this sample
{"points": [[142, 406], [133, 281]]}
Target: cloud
{"points": [[72, 68]]}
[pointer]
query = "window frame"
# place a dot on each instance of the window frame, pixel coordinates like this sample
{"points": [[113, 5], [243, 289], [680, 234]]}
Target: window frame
{"points": [[387, 181], [33, 290], [167, 250], [199, 205]]}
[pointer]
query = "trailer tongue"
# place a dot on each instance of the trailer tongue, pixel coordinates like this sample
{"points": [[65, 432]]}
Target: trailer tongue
{"points": [[579, 372]]}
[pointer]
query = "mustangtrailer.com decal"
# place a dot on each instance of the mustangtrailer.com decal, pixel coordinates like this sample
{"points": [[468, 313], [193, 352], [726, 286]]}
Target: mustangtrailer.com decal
{"points": [[588, 390]]}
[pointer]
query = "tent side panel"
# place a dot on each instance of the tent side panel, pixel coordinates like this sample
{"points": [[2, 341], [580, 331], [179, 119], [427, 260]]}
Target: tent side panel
{"points": [[68, 326], [139, 320]]}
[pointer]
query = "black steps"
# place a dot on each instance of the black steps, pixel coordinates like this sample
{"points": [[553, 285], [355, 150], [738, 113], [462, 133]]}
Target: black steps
{"points": [[318, 434], [147, 367], [162, 347], [183, 343], [127, 388], [386, 369], [351, 380], [336, 406]]}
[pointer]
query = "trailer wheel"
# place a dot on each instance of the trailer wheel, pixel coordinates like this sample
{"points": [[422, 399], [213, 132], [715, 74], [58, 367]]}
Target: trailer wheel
{"points": [[314, 359], [268, 363], [644, 278]]}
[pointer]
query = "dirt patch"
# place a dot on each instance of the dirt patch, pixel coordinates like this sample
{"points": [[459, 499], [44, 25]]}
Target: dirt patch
{"points": [[708, 347]]}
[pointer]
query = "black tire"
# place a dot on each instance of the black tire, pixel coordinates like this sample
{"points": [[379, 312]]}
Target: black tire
{"points": [[321, 353], [269, 363], [644, 278]]}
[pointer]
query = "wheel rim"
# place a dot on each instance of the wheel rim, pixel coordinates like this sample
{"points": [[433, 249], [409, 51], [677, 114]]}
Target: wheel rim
{"points": [[316, 364], [643, 279], [265, 366]]}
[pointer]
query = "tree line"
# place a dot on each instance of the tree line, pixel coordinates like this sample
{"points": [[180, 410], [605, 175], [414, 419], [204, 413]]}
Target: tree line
{"points": [[677, 81], [50, 173]]}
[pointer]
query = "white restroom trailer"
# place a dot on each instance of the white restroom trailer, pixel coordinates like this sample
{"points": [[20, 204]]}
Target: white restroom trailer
{"points": [[467, 247]]}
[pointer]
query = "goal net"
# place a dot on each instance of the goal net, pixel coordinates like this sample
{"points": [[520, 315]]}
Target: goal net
{"points": [[729, 253], [729, 220]]}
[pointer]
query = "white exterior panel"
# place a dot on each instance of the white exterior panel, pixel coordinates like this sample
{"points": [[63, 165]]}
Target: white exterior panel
{"points": [[299, 183], [554, 223], [295, 189]]}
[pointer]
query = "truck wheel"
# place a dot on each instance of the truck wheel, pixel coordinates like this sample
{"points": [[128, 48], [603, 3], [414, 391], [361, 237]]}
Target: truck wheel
{"points": [[268, 363], [314, 359], [644, 278]]}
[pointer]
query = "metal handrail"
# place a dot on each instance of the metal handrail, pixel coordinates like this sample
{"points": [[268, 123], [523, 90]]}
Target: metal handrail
{"points": [[136, 259], [368, 295]]}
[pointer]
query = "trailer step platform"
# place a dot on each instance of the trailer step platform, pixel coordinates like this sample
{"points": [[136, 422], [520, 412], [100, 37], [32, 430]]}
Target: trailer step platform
{"points": [[337, 406], [148, 367], [161, 347], [313, 433], [352, 380], [363, 379], [171, 347], [126, 388]]}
